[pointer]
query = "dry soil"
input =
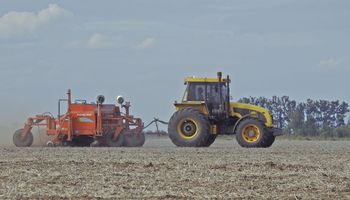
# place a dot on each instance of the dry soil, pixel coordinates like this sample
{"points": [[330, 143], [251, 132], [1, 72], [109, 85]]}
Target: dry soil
{"points": [[159, 170]]}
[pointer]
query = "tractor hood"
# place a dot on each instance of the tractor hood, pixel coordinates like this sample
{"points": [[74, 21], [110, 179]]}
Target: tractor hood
{"points": [[242, 110]]}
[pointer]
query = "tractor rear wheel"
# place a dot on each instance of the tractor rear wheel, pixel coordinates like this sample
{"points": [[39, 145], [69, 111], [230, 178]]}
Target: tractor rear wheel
{"points": [[111, 142], [22, 142], [189, 127], [210, 140], [252, 133], [134, 139]]}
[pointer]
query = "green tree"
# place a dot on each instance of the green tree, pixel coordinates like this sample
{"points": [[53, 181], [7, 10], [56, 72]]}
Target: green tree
{"points": [[312, 118], [340, 112], [297, 119]]}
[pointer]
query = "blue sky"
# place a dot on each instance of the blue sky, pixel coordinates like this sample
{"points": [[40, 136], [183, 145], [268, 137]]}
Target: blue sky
{"points": [[144, 49]]}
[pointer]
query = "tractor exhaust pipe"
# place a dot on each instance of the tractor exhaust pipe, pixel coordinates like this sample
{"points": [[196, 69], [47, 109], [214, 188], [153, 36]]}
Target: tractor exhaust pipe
{"points": [[219, 75]]}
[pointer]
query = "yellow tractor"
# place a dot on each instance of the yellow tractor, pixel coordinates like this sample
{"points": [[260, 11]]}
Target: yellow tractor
{"points": [[206, 111]]}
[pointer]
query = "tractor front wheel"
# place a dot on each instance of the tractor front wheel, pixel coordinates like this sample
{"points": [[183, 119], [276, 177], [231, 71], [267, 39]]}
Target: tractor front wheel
{"points": [[20, 141], [189, 127], [114, 142], [270, 141], [252, 133]]}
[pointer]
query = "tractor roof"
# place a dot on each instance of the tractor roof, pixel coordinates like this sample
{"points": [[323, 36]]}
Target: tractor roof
{"points": [[203, 80]]}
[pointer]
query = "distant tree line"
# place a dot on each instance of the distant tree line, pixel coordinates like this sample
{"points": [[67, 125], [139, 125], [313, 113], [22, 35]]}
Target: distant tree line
{"points": [[311, 118]]}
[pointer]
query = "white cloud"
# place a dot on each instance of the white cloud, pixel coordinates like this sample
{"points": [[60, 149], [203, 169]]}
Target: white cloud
{"points": [[330, 63], [102, 41], [20, 23], [147, 43], [98, 41]]}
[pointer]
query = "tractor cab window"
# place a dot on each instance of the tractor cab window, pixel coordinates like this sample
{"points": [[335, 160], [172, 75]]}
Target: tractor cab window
{"points": [[224, 91], [204, 91], [195, 92], [213, 94]]}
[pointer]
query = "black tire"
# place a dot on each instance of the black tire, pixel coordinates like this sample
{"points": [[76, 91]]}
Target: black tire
{"points": [[26, 142], [134, 139], [189, 127], [270, 141], [211, 140], [252, 133], [118, 142], [82, 141], [95, 143]]}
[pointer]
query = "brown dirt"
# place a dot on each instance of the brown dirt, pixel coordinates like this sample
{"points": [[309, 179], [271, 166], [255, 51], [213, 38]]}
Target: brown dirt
{"points": [[287, 170]]}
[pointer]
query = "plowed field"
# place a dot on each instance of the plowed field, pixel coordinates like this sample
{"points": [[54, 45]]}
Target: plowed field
{"points": [[287, 170]]}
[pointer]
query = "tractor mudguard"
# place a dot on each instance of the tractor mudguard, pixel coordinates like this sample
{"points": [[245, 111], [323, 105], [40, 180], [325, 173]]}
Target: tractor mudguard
{"points": [[238, 121], [276, 131]]}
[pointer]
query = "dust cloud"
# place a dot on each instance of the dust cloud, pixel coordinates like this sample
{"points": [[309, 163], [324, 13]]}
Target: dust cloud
{"points": [[40, 137], [6, 136]]}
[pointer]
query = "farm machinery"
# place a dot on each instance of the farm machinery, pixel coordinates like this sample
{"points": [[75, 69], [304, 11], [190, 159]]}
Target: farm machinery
{"points": [[86, 124], [206, 111]]}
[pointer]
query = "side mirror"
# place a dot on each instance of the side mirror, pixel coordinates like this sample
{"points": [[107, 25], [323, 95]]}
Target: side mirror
{"points": [[231, 98]]}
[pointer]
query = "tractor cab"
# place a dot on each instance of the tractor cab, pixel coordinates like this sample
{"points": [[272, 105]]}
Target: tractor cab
{"points": [[213, 93]]}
